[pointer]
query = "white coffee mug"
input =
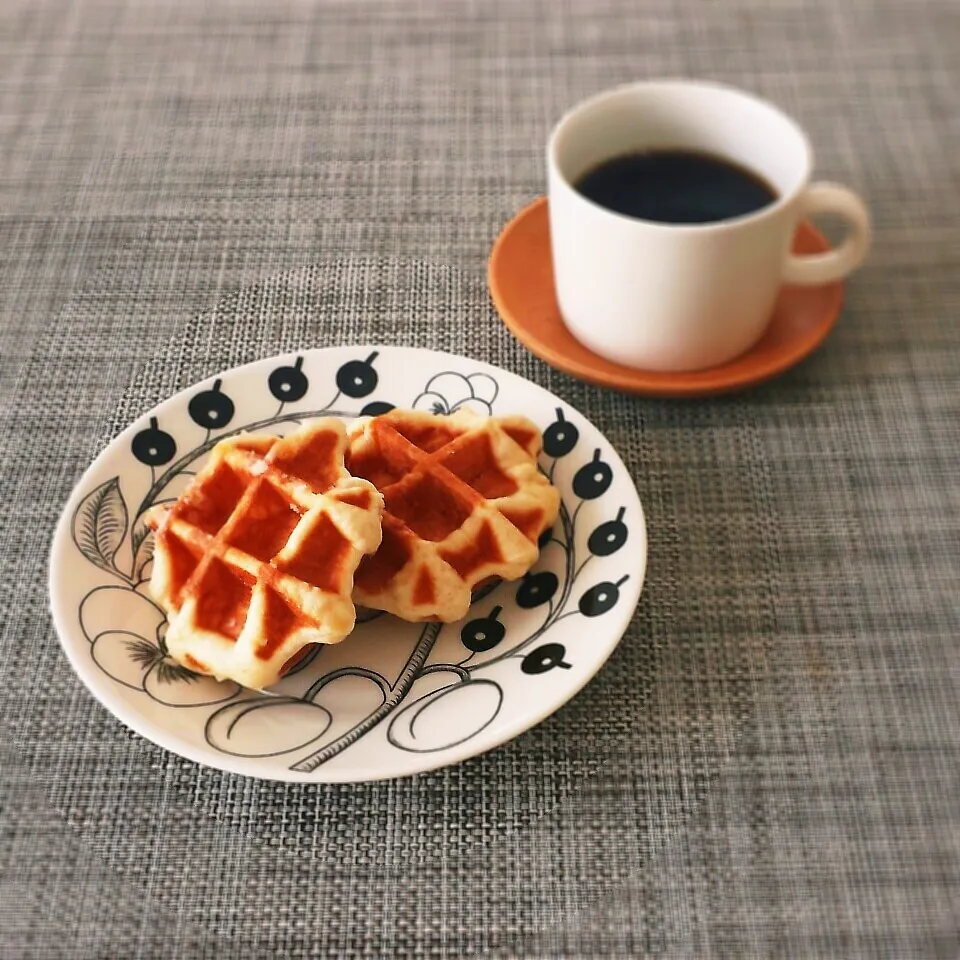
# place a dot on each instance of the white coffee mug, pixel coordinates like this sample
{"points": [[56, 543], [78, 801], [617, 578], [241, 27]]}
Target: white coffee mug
{"points": [[672, 297]]}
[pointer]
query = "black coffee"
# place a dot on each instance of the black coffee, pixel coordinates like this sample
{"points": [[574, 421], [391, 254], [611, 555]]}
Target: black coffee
{"points": [[676, 186]]}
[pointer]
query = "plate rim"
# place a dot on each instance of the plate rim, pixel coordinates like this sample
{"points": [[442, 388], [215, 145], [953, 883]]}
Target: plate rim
{"points": [[254, 767]]}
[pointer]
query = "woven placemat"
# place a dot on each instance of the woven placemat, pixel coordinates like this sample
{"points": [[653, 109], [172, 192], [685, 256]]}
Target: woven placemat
{"points": [[769, 763]]}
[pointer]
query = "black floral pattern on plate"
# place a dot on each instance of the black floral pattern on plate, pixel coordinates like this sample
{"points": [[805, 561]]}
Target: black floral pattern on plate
{"points": [[117, 541]]}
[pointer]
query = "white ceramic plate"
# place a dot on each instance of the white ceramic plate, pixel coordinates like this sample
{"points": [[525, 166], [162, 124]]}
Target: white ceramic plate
{"points": [[394, 698]]}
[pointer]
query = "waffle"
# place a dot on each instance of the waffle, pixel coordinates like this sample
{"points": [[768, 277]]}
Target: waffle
{"points": [[256, 558], [464, 503]]}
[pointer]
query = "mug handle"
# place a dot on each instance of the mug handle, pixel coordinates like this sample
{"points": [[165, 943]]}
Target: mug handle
{"points": [[834, 264]]}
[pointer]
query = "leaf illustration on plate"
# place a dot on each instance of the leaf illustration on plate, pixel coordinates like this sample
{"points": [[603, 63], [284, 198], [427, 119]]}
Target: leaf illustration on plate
{"points": [[446, 717], [141, 542], [111, 607], [173, 685], [266, 726], [100, 523]]}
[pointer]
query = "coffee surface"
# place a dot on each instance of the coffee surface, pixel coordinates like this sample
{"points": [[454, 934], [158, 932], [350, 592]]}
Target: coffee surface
{"points": [[676, 186]]}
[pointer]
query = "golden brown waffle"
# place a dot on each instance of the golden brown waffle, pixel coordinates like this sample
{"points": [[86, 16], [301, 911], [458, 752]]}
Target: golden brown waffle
{"points": [[256, 558], [464, 502]]}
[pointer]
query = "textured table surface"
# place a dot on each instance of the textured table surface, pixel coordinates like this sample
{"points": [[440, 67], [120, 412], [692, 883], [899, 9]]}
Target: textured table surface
{"points": [[770, 763]]}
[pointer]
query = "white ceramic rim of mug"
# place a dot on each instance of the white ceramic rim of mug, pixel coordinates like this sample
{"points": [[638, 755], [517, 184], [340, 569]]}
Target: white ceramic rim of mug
{"points": [[584, 106]]}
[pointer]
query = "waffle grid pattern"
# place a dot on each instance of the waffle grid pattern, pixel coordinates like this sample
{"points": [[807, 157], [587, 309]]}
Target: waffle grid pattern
{"points": [[256, 559], [464, 502]]}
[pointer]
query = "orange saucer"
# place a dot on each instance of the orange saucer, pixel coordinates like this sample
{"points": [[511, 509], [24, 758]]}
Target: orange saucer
{"points": [[520, 275]]}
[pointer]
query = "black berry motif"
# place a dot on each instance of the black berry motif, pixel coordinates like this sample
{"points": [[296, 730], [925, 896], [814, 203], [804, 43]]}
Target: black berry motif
{"points": [[545, 538], [357, 378], [153, 446], [375, 408], [483, 633], [601, 598], [593, 479], [211, 408], [609, 537], [536, 589], [545, 658], [289, 384], [560, 437]]}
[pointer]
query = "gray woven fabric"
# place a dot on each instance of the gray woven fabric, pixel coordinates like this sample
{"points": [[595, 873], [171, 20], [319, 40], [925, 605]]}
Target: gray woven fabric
{"points": [[768, 766]]}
